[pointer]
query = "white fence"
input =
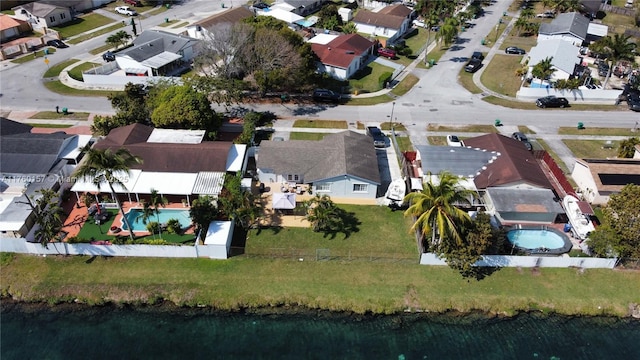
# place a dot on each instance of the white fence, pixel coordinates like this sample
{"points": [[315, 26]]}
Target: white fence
{"points": [[530, 261], [587, 95], [167, 251]]}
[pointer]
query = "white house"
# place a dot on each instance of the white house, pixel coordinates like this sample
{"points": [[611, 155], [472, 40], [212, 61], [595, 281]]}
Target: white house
{"points": [[565, 57], [341, 56], [230, 16], [597, 179], [44, 14], [390, 22]]}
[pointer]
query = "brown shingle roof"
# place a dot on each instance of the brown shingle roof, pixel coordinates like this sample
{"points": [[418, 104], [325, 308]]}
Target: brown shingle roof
{"points": [[232, 16], [514, 165], [396, 10], [164, 157], [390, 21], [341, 51]]}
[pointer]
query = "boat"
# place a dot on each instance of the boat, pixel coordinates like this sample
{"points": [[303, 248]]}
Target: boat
{"points": [[396, 190], [581, 224]]}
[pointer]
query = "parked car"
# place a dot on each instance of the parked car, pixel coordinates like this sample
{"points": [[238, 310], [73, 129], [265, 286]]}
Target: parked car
{"points": [[453, 140], [57, 43], [324, 95], [603, 68], [522, 138], [477, 55], [514, 50], [109, 56], [546, 15], [552, 101], [260, 6], [133, 2], [379, 140], [125, 10], [633, 101], [388, 53], [473, 65]]}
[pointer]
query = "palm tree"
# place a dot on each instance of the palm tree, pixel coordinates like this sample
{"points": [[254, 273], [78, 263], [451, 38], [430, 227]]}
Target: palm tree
{"points": [[146, 214], [566, 5], [448, 31], [615, 49], [158, 200], [322, 213], [48, 215], [521, 24], [435, 211], [527, 14], [350, 28], [544, 69], [105, 167]]}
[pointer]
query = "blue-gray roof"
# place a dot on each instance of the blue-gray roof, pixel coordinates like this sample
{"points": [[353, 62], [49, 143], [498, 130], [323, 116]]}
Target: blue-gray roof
{"points": [[566, 23], [565, 55], [153, 42]]}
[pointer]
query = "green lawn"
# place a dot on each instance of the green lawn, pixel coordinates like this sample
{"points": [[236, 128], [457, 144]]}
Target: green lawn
{"points": [[404, 143], [320, 124], [525, 129], [52, 115], [496, 31], [592, 149], [466, 80], [387, 126], [50, 126], [55, 70], [93, 34], [555, 156], [370, 100], [76, 72], [405, 85], [500, 76], [39, 55], [618, 23], [437, 140], [306, 136], [168, 23], [82, 24], [101, 49], [563, 130], [368, 79], [184, 23], [463, 128], [60, 88]]}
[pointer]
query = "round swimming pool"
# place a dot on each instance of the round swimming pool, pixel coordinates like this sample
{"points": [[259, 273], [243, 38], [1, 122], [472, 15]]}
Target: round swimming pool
{"points": [[533, 239]]}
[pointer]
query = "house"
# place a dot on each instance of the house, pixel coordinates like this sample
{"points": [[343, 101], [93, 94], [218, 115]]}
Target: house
{"points": [[11, 28], [598, 179], [234, 15], [44, 14], [570, 27], [565, 57], [341, 56], [30, 162], [516, 206], [292, 19], [341, 165], [390, 22], [157, 53], [175, 162], [299, 7]]}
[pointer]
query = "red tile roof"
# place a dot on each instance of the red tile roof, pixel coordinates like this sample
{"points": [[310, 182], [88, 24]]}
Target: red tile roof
{"points": [[7, 22], [514, 164], [341, 51]]}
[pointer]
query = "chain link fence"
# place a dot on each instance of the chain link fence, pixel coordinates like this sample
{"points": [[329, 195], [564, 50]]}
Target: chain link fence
{"points": [[300, 254]]}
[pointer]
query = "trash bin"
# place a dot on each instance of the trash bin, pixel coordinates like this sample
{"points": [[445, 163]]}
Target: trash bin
{"points": [[168, 6], [65, 111], [483, 41], [46, 51], [504, 13], [580, 126], [567, 227], [166, 20], [462, 28], [432, 62], [497, 122]]}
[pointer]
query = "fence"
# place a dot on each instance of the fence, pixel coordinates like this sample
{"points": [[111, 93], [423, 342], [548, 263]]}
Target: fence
{"points": [[557, 173], [301, 254], [530, 261], [618, 10]]}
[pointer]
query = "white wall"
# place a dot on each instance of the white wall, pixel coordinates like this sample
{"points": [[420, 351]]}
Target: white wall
{"points": [[111, 81], [568, 38], [532, 94], [530, 261], [125, 62], [587, 185]]}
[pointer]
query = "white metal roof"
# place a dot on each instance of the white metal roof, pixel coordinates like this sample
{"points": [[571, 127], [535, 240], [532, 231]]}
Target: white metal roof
{"points": [[598, 30], [218, 233], [165, 183], [235, 158], [283, 15], [128, 180], [322, 39], [72, 150], [176, 136], [208, 183], [161, 60]]}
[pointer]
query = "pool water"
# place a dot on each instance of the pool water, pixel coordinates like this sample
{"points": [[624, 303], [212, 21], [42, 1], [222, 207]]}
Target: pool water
{"points": [[535, 239], [135, 218]]}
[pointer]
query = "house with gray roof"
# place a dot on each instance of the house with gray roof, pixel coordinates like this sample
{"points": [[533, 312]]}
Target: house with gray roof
{"points": [[391, 22], [158, 53], [301, 7], [341, 165], [48, 13], [565, 56], [571, 27]]}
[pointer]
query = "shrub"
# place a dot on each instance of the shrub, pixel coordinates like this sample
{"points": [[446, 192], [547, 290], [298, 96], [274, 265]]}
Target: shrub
{"points": [[174, 226], [77, 240], [406, 51], [153, 227], [384, 78]]}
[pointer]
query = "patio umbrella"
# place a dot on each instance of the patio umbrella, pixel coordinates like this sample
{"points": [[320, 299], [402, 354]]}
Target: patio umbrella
{"points": [[284, 201]]}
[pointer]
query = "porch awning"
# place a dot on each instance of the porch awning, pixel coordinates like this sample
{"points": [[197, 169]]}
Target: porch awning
{"points": [[284, 201], [160, 60], [128, 180]]}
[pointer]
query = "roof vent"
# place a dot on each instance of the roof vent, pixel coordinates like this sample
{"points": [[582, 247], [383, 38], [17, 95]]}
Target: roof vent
{"points": [[329, 48], [351, 52]]}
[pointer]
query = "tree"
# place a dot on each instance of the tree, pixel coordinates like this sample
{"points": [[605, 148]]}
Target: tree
{"points": [[236, 203], [146, 214], [627, 147], [568, 84], [157, 200], [544, 69], [349, 28], [521, 24], [622, 215], [435, 210], [202, 212], [47, 214], [130, 108], [222, 47], [527, 14], [604, 242], [448, 31], [322, 213], [182, 107], [615, 49], [562, 6], [108, 167], [329, 18]]}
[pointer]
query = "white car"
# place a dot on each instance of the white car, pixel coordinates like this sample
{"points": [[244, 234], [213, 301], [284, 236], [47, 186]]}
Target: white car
{"points": [[547, 15], [453, 140], [125, 10]]}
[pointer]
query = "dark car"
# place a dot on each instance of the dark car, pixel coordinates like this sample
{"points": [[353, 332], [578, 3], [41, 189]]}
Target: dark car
{"points": [[514, 50], [324, 95], [57, 43], [633, 100], [109, 56], [473, 65], [260, 6], [552, 101], [522, 138], [477, 55], [379, 140], [388, 53], [603, 68]]}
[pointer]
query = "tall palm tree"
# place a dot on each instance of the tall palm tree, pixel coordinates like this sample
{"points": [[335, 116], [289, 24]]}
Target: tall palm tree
{"points": [[448, 31], [47, 214], [105, 167], [561, 6], [614, 49], [435, 209], [544, 69], [157, 200], [322, 213]]}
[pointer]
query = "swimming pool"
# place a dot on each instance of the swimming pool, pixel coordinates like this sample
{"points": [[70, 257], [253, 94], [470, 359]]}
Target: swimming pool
{"points": [[165, 215], [539, 240]]}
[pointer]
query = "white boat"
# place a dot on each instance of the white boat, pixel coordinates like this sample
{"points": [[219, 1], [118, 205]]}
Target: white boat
{"points": [[581, 225], [396, 190]]}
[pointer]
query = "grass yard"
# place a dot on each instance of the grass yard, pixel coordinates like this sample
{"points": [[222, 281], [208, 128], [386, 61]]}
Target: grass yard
{"points": [[463, 128], [184, 23], [55, 70], [60, 88], [496, 31], [76, 72], [50, 126], [370, 100], [405, 85], [387, 126], [555, 156], [156, 11], [306, 136], [82, 24], [368, 79], [404, 143], [466, 80], [592, 149], [28, 57], [369, 238], [93, 34], [437, 140], [436, 54], [500, 76], [101, 49], [563, 130], [168, 23], [52, 115], [525, 130], [618, 23], [320, 124]]}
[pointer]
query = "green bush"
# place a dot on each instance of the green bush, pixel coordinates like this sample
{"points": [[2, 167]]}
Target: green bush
{"points": [[174, 226], [153, 227], [384, 79], [77, 240], [406, 51]]}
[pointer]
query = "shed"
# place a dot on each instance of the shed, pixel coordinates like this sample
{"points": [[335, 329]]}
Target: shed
{"points": [[346, 14], [218, 239]]}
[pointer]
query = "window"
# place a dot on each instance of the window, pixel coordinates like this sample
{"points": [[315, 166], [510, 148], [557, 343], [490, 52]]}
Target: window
{"points": [[323, 187], [293, 178], [52, 19], [62, 16], [359, 187]]}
